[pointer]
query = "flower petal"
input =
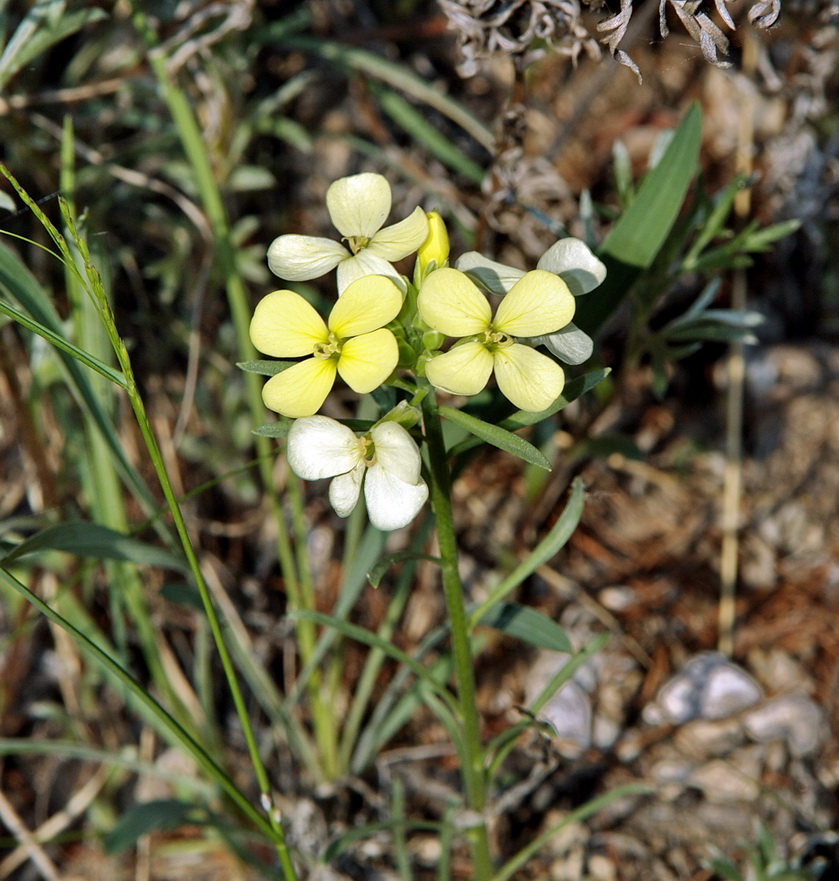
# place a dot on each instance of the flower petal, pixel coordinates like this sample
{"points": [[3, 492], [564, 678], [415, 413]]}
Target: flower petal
{"points": [[574, 263], [359, 204], [301, 389], [392, 503], [487, 274], [284, 325], [367, 304], [449, 302], [345, 489], [365, 263], [570, 344], [527, 378], [463, 370], [368, 360], [298, 258], [400, 239], [322, 447], [538, 303], [396, 451]]}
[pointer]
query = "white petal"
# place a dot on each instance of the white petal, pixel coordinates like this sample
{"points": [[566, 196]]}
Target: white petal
{"points": [[364, 263], [396, 451], [571, 345], [400, 239], [321, 447], [574, 263], [392, 503], [359, 205], [487, 274], [298, 258], [344, 490]]}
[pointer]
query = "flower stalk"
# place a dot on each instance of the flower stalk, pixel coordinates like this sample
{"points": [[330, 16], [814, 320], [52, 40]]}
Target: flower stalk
{"points": [[474, 779]]}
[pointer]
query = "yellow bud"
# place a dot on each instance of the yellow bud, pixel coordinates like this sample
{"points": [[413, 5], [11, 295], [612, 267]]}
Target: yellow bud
{"points": [[436, 246]]}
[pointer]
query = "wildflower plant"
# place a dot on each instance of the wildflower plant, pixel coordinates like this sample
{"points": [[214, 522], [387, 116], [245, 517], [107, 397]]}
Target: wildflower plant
{"points": [[422, 348]]}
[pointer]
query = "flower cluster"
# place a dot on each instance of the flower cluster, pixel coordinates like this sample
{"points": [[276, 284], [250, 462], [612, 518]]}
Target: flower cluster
{"points": [[385, 329]]}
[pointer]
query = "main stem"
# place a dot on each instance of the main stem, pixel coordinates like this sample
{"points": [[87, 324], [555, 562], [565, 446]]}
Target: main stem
{"points": [[472, 771]]}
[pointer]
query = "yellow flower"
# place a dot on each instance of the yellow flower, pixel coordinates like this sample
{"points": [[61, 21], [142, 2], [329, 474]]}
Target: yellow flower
{"points": [[352, 343], [538, 304]]}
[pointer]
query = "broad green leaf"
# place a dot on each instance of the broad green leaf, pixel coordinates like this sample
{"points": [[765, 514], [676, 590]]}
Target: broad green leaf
{"points": [[528, 625], [642, 229], [148, 816], [497, 436], [94, 540]]}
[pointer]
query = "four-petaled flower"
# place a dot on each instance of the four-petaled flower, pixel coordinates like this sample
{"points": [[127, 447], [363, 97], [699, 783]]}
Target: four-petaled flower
{"points": [[570, 259], [385, 460], [353, 343], [358, 206], [539, 303]]}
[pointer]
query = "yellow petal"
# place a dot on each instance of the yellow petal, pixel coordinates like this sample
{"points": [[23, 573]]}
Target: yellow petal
{"points": [[301, 389], [367, 304], [284, 325], [368, 360], [436, 245], [400, 239], [359, 205], [463, 370], [527, 378], [449, 302], [538, 303]]}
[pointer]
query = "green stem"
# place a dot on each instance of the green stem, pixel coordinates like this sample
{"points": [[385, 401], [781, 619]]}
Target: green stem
{"points": [[298, 579], [472, 771]]}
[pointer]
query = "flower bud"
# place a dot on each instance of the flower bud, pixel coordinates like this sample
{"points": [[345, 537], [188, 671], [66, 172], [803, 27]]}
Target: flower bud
{"points": [[436, 247]]}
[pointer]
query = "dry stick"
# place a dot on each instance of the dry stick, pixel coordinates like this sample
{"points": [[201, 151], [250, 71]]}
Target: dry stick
{"points": [[735, 368]]}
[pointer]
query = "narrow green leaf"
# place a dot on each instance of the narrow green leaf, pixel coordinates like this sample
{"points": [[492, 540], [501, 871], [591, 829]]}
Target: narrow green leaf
{"points": [[528, 625], [416, 125], [377, 572], [642, 229], [138, 691], [509, 869], [280, 428], [148, 816], [367, 637], [65, 345], [264, 368], [574, 389], [559, 534], [100, 542], [397, 75], [497, 436]]}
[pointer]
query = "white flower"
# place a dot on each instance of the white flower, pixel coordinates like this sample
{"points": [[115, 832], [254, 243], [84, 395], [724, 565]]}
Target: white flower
{"points": [[386, 460], [570, 259], [359, 206]]}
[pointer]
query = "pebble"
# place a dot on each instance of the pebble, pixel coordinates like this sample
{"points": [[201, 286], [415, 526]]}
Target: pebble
{"points": [[708, 687], [793, 718]]}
